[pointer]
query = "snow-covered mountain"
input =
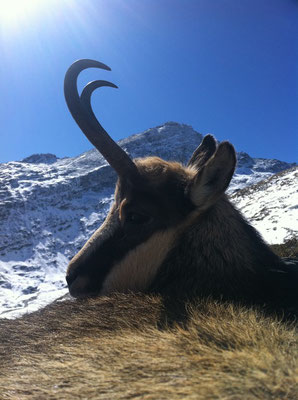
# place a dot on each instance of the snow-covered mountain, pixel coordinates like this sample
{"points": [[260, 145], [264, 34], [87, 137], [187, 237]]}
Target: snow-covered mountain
{"points": [[49, 207], [271, 205]]}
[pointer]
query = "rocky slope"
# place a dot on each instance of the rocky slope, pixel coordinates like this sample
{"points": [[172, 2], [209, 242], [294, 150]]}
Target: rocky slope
{"points": [[271, 206]]}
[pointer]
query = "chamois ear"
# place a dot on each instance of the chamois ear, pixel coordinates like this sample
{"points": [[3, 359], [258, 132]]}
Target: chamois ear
{"points": [[214, 177], [202, 153]]}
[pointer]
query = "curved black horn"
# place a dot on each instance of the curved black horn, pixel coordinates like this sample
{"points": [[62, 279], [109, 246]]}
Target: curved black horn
{"points": [[89, 89], [81, 110]]}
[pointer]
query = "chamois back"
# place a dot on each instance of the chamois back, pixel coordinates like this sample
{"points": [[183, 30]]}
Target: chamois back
{"points": [[127, 346]]}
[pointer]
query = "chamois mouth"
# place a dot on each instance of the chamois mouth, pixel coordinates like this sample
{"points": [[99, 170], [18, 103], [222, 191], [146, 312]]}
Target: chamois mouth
{"points": [[79, 286]]}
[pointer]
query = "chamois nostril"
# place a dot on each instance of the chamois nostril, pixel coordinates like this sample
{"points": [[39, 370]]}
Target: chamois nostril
{"points": [[70, 277]]}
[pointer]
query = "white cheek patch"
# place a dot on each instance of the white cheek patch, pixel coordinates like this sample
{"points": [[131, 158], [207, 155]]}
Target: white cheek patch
{"points": [[136, 271], [138, 268]]}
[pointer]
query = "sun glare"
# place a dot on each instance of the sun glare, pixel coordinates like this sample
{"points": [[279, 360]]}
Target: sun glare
{"points": [[13, 11]]}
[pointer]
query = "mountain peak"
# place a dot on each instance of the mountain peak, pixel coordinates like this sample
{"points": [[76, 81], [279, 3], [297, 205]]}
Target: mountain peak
{"points": [[46, 158]]}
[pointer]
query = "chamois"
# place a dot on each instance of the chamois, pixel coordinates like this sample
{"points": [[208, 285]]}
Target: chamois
{"points": [[173, 236], [172, 229]]}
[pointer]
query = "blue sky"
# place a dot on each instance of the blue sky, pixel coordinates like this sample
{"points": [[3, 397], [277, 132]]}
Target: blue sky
{"points": [[228, 67]]}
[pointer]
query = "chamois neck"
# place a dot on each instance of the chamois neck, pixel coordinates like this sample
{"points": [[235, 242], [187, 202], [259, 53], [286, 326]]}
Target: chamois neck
{"points": [[219, 255], [227, 236]]}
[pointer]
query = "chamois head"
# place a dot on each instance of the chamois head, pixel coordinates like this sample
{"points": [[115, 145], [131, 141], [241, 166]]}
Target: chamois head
{"points": [[155, 201]]}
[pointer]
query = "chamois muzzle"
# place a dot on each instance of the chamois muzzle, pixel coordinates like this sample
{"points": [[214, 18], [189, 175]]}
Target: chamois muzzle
{"points": [[81, 110], [77, 284]]}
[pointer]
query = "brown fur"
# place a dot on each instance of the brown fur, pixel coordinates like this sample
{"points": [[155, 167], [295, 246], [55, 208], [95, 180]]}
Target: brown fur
{"points": [[159, 171], [121, 347]]}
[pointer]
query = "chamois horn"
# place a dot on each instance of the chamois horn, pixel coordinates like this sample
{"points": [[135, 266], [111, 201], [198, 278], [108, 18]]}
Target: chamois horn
{"points": [[81, 110]]}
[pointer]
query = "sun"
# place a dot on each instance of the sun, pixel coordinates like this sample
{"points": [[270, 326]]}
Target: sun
{"points": [[13, 11]]}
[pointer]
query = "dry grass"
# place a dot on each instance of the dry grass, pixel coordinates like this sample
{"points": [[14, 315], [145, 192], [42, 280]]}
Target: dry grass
{"points": [[124, 347]]}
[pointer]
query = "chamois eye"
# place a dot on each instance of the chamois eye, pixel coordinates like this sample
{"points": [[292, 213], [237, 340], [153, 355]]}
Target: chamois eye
{"points": [[136, 218]]}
